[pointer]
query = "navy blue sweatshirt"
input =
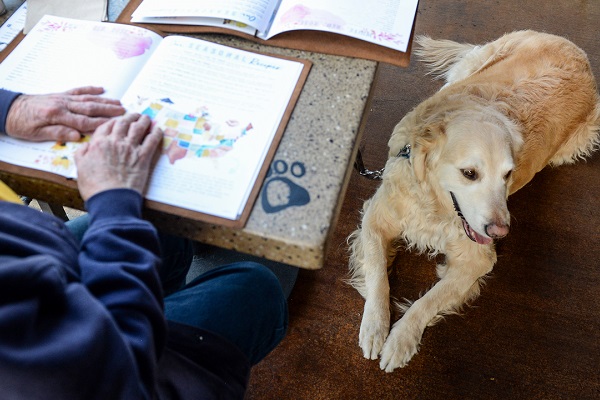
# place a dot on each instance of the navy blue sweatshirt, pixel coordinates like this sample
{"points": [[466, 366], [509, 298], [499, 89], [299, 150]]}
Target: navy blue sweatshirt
{"points": [[87, 322], [6, 99]]}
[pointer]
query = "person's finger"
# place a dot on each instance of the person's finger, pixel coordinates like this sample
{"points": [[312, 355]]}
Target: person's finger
{"points": [[59, 133], [151, 142], [89, 124], [104, 130], [96, 108], [74, 123], [122, 124], [139, 129], [86, 90], [81, 123], [91, 94], [88, 98]]}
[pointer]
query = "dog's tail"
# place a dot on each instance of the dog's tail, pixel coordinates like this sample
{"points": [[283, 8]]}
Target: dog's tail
{"points": [[441, 55]]}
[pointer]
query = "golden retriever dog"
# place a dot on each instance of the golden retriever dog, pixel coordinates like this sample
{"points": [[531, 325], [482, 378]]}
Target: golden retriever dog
{"points": [[508, 108]]}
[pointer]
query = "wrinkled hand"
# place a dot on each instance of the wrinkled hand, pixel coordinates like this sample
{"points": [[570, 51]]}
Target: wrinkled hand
{"points": [[120, 154], [60, 116]]}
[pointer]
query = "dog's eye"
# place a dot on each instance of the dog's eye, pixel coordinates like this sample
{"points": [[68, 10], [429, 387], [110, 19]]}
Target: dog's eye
{"points": [[470, 174], [508, 174]]}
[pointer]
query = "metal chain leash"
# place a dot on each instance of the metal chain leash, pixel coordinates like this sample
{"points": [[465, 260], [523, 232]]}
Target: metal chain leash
{"points": [[377, 174]]}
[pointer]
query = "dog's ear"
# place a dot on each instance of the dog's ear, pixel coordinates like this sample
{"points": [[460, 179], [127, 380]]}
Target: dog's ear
{"points": [[424, 148]]}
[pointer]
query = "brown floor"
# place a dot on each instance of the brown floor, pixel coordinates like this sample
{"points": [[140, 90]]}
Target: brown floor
{"points": [[535, 331]]}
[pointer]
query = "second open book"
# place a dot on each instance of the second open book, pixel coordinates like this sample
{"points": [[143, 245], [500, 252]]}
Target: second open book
{"points": [[223, 110], [386, 23]]}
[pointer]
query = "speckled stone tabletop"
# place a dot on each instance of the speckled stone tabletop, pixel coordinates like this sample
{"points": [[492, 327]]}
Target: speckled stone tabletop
{"points": [[298, 205]]}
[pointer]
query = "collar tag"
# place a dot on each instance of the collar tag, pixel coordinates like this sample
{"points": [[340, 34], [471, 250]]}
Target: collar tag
{"points": [[404, 152]]}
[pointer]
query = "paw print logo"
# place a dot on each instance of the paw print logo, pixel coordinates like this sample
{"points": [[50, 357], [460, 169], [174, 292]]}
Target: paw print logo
{"points": [[279, 192]]}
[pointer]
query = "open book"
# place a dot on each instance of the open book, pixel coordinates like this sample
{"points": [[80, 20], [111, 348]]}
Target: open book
{"points": [[301, 24], [223, 110]]}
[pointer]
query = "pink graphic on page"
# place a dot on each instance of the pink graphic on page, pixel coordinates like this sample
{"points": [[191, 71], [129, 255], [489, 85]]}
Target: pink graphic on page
{"points": [[300, 15], [295, 13], [131, 46], [380, 36], [123, 42], [51, 26]]}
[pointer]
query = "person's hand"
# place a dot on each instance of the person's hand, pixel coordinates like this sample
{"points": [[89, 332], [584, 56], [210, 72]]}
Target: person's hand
{"points": [[60, 116], [120, 154]]}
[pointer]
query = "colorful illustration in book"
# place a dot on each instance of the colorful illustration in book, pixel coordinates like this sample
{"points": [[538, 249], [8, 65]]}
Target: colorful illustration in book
{"points": [[59, 156], [195, 134], [123, 41], [300, 15], [231, 22]]}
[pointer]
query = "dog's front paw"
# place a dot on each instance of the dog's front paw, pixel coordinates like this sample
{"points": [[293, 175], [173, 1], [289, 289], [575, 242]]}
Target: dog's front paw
{"points": [[401, 345], [374, 328]]}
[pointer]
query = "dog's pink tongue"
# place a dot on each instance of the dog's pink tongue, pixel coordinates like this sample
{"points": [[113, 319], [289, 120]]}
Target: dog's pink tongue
{"points": [[476, 237], [482, 239]]}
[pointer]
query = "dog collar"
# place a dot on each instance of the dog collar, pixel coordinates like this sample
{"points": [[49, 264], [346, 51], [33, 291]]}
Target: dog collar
{"points": [[377, 174]]}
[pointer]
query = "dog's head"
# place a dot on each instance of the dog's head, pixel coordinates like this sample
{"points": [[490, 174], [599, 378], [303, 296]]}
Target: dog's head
{"points": [[469, 155]]}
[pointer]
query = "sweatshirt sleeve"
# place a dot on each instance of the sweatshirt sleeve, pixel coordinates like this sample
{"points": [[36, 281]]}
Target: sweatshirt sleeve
{"points": [[118, 259], [6, 99]]}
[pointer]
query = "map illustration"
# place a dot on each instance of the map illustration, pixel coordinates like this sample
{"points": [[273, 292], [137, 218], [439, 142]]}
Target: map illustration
{"points": [[58, 157], [195, 134]]}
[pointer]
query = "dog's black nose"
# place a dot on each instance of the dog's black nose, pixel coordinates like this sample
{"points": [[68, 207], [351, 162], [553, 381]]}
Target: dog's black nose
{"points": [[497, 231]]}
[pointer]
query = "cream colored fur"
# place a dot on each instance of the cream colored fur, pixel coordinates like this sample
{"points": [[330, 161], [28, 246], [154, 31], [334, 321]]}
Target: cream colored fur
{"points": [[508, 109]]}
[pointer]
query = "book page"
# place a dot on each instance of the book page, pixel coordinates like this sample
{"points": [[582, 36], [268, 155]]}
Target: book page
{"points": [[255, 13], [220, 108], [384, 22], [60, 54]]}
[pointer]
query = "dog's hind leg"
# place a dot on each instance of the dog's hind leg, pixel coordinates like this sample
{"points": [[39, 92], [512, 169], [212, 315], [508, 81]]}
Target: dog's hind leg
{"points": [[582, 143], [370, 249], [466, 266]]}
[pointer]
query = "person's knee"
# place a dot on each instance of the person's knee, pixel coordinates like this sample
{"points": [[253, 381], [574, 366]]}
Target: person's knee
{"points": [[242, 302], [260, 285], [257, 276]]}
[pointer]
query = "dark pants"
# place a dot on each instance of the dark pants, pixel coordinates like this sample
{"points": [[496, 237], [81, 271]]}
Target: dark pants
{"points": [[242, 301]]}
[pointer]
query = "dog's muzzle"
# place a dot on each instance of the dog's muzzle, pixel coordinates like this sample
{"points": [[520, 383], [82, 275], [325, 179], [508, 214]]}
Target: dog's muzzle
{"points": [[470, 232]]}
